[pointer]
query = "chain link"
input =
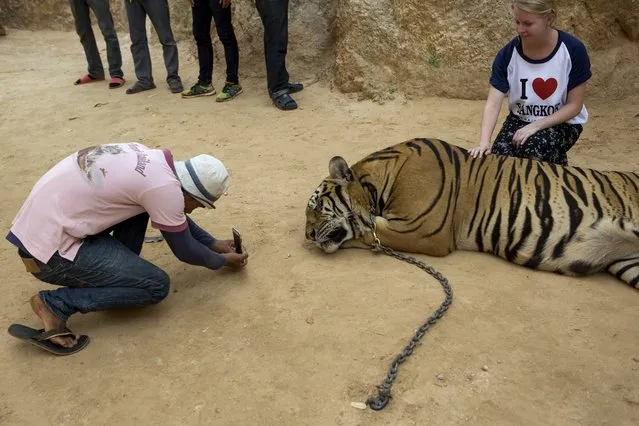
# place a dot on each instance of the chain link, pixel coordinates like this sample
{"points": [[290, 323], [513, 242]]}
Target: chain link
{"points": [[384, 389]]}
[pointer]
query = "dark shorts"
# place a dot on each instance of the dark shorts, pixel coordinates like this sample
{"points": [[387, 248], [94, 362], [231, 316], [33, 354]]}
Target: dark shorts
{"points": [[549, 145]]}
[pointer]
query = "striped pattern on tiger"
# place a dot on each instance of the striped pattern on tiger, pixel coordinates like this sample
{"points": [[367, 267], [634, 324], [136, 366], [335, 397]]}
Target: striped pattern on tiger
{"points": [[428, 196]]}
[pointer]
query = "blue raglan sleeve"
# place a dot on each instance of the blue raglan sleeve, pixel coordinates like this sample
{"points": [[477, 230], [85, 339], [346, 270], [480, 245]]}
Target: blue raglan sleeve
{"points": [[189, 250], [580, 63], [200, 234], [499, 74]]}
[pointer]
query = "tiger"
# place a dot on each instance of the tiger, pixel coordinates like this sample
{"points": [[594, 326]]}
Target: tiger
{"points": [[428, 196]]}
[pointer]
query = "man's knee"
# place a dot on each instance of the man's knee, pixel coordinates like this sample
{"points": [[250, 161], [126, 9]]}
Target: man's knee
{"points": [[84, 31], [166, 38], [108, 31], [161, 283]]}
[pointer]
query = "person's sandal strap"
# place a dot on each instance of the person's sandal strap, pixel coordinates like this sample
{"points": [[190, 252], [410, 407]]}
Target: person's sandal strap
{"points": [[55, 332]]}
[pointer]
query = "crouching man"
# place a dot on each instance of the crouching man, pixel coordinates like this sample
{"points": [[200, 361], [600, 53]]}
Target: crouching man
{"points": [[83, 224]]}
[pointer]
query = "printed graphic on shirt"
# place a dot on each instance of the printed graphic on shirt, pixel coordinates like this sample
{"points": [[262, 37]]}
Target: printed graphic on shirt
{"points": [[539, 88], [143, 159], [87, 157], [544, 89], [87, 160]]}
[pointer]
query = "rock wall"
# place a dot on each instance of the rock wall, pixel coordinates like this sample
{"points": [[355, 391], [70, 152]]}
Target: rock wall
{"points": [[381, 47], [446, 47]]}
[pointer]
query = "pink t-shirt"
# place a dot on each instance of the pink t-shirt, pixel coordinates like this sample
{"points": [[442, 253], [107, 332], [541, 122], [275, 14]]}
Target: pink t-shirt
{"points": [[94, 189]]}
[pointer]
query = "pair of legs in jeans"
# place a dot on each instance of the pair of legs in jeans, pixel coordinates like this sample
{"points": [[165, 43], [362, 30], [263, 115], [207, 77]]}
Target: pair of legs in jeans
{"points": [[158, 13], [81, 14], [548, 145], [107, 273], [274, 15], [203, 13]]}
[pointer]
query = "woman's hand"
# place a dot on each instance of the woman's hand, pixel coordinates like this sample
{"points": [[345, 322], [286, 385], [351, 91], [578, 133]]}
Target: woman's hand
{"points": [[479, 151], [521, 135]]}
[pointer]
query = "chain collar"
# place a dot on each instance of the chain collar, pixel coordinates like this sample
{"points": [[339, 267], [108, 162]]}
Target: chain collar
{"points": [[377, 244]]}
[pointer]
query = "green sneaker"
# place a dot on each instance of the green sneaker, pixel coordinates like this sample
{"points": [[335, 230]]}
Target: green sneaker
{"points": [[229, 91], [199, 90]]}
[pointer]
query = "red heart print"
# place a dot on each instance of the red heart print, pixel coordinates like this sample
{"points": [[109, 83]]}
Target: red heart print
{"points": [[544, 88]]}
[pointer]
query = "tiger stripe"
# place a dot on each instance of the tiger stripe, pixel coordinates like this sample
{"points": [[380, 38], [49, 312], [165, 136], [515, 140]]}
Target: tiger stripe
{"points": [[428, 196]]}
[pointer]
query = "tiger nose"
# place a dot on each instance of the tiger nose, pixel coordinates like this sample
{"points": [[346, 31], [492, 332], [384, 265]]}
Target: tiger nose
{"points": [[311, 235]]}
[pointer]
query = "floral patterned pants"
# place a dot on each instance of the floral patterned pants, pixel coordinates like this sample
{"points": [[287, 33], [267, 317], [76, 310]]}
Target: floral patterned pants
{"points": [[549, 145]]}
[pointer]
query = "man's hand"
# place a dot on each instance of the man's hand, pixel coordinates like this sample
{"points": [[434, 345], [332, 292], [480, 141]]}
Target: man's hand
{"points": [[227, 249], [223, 246], [225, 3], [235, 260]]}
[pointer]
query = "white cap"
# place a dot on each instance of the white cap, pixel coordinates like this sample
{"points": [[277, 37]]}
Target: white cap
{"points": [[204, 177]]}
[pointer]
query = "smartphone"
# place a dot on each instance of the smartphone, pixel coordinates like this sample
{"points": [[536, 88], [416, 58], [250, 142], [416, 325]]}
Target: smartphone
{"points": [[237, 240]]}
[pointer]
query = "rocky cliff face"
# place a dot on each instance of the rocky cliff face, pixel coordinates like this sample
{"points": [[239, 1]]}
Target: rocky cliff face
{"points": [[379, 47], [446, 47]]}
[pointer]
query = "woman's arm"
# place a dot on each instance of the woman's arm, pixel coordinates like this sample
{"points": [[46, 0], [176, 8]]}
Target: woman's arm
{"points": [[488, 122], [574, 103]]}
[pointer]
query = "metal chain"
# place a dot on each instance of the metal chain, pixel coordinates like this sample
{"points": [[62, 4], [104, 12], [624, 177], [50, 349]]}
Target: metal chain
{"points": [[384, 389]]}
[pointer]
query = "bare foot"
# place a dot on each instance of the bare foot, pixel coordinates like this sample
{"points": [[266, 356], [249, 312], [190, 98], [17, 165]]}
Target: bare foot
{"points": [[50, 321]]}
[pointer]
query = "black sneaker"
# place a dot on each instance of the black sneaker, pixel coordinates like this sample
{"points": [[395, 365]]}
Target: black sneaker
{"points": [[176, 86]]}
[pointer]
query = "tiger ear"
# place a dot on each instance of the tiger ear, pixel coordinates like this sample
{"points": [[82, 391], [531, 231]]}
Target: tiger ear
{"points": [[338, 169]]}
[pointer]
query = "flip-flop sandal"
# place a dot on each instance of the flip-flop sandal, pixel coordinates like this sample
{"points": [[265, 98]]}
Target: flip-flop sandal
{"points": [[137, 88], [87, 79], [295, 87], [41, 338], [116, 82], [283, 100]]}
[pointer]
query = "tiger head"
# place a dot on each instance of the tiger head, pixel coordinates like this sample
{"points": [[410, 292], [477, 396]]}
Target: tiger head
{"points": [[339, 211]]}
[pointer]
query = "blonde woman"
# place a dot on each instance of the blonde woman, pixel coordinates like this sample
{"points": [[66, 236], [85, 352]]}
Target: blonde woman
{"points": [[544, 72]]}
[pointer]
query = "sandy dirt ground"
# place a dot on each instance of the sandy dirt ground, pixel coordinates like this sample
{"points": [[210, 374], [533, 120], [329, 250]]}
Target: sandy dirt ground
{"points": [[297, 336]]}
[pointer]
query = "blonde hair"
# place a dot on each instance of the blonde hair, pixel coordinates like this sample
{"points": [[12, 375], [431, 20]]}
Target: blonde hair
{"points": [[539, 7]]}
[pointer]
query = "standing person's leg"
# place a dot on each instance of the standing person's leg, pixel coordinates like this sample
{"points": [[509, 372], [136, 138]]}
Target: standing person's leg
{"points": [[159, 15], [226, 33], [106, 274], [80, 10], [136, 15], [274, 15], [202, 17], [114, 56]]}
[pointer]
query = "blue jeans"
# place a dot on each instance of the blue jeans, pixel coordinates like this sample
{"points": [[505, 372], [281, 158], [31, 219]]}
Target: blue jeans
{"points": [[81, 14], [158, 13], [107, 273]]}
